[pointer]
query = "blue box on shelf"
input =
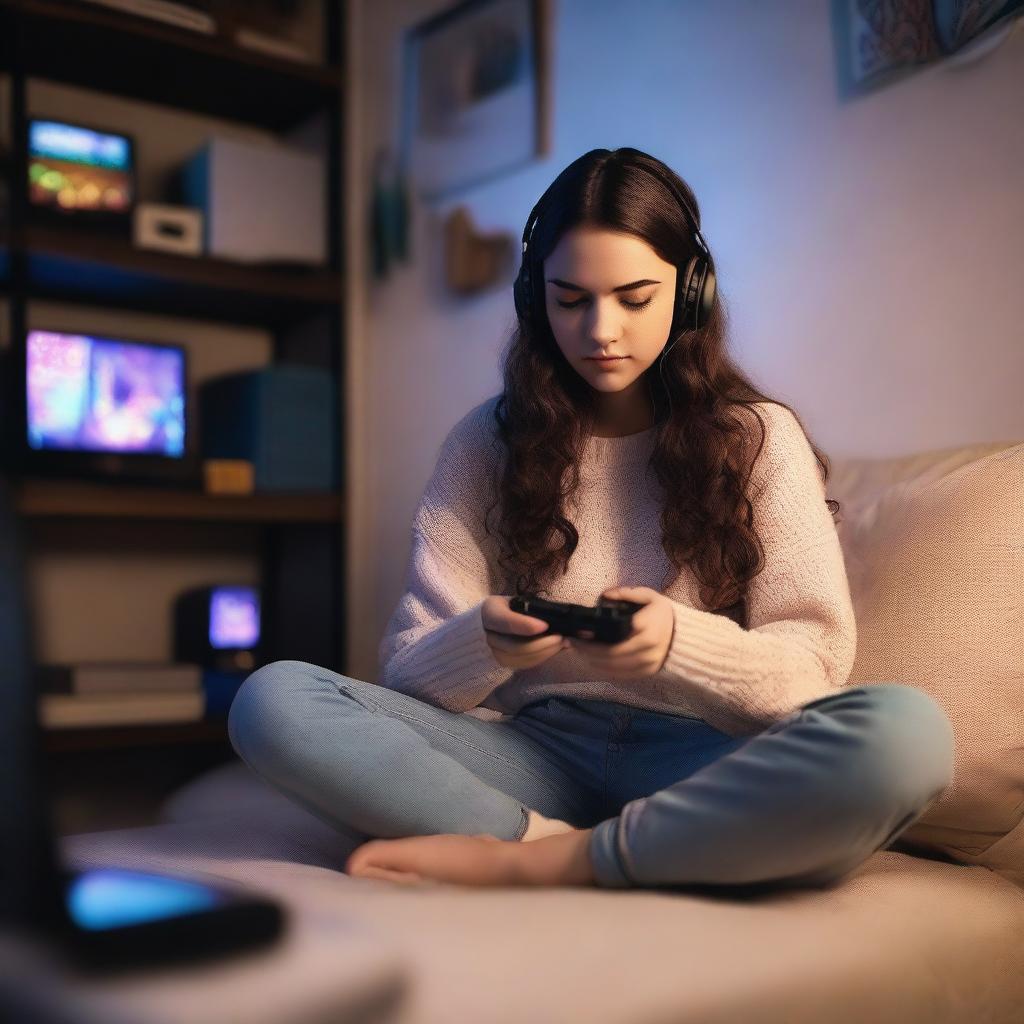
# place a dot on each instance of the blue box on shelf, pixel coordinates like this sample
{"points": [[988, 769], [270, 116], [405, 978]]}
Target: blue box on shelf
{"points": [[219, 689], [280, 418]]}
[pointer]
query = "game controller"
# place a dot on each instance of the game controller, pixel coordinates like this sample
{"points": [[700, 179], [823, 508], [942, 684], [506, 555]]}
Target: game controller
{"points": [[610, 621]]}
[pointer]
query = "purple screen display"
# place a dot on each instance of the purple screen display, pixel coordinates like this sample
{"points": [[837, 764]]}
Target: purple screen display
{"points": [[234, 617], [104, 395]]}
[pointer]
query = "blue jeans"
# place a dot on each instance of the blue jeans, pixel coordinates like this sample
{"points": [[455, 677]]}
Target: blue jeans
{"points": [[671, 801]]}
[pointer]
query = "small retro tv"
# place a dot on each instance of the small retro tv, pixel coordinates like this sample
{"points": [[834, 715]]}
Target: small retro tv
{"points": [[218, 627], [105, 407], [79, 173]]}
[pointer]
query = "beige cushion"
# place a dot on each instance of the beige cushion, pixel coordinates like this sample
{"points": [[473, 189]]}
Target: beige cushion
{"points": [[934, 550]]}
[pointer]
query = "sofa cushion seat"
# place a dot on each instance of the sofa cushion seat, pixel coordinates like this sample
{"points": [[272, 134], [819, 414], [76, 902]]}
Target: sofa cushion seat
{"points": [[900, 938]]}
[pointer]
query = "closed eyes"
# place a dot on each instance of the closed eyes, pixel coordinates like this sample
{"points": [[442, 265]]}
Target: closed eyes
{"points": [[631, 305]]}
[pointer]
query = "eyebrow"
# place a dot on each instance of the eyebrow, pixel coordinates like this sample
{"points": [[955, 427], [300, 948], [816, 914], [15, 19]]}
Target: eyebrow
{"points": [[621, 288]]}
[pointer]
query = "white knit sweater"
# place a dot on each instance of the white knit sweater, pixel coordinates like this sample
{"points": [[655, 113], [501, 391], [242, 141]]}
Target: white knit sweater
{"points": [[800, 639]]}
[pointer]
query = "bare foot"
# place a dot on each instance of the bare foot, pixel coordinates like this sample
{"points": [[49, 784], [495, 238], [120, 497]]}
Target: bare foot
{"points": [[469, 860], [480, 860]]}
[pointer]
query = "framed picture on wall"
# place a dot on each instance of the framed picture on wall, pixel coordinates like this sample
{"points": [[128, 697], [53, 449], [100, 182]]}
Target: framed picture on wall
{"points": [[475, 94], [882, 41]]}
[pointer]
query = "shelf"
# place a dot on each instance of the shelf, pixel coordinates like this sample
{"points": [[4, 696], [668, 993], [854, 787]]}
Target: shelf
{"points": [[67, 499], [96, 269], [132, 56], [90, 47], [212, 731]]}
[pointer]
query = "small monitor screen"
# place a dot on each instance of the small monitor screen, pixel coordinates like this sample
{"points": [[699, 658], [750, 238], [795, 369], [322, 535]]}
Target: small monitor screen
{"points": [[234, 618], [104, 395], [72, 168], [104, 898]]}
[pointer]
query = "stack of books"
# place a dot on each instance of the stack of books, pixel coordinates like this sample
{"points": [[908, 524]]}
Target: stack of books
{"points": [[119, 693]]}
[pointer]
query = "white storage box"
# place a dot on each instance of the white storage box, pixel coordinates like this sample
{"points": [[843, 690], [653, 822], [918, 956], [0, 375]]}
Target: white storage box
{"points": [[263, 203]]}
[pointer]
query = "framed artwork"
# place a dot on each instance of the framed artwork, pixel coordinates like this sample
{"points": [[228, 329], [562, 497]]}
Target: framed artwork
{"points": [[475, 94], [880, 41]]}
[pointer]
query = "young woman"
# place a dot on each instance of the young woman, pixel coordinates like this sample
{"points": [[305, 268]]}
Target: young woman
{"points": [[716, 745]]}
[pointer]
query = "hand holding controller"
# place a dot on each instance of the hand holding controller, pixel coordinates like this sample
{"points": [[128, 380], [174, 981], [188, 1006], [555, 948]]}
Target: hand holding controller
{"points": [[516, 640]]}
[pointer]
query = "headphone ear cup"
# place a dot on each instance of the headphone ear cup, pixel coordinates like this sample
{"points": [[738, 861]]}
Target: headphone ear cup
{"points": [[686, 283], [521, 293], [707, 297], [696, 292]]}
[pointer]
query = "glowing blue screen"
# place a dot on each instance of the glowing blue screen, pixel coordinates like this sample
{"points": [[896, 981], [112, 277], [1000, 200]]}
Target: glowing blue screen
{"points": [[110, 898]]}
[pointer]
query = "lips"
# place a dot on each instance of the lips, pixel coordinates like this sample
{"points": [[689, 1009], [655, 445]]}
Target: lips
{"points": [[609, 359]]}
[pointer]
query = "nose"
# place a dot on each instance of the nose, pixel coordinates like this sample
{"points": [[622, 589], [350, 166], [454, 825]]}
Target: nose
{"points": [[605, 324]]}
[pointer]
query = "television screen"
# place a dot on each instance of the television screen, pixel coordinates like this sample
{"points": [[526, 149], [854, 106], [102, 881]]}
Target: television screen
{"points": [[104, 395], [74, 169], [234, 617]]}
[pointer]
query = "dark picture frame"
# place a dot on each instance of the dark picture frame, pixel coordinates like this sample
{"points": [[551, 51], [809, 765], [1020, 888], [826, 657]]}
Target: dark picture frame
{"points": [[475, 94]]}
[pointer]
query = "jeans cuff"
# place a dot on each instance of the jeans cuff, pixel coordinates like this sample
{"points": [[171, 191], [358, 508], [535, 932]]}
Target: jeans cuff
{"points": [[604, 857], [523, 826]]}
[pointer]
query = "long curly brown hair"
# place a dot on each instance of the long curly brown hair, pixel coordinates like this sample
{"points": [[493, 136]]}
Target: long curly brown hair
{"points": [[703, 453]]}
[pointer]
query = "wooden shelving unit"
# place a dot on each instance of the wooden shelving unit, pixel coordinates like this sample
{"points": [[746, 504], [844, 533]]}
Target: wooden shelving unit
{"points": [[88, 46], [68, 265], [111, 51], [208, 731], [69, 499]]}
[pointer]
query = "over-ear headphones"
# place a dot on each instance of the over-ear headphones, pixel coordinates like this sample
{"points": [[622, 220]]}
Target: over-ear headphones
{"points": [[695, 285]]}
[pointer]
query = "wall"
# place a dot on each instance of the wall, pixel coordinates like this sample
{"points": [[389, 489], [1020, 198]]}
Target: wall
{"points": [[869, 252]]}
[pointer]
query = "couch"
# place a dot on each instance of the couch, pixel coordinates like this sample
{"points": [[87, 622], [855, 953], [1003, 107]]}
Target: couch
{"points": [[929, 929]]}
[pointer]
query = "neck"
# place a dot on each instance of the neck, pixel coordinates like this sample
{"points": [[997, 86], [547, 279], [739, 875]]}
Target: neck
{"points": [[623, 412]]}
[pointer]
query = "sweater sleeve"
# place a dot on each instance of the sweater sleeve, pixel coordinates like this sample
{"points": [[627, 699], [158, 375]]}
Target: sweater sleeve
{"points": [[434, 645], [801, 636]]}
